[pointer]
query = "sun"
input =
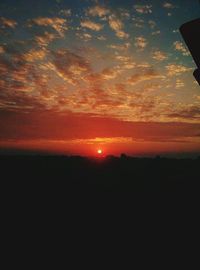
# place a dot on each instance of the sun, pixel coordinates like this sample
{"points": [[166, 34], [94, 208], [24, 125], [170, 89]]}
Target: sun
{"points": [[99, 151]]}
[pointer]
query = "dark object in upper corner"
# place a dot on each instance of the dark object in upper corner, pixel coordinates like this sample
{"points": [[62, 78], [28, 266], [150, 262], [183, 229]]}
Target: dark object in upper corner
{"points": [[191, 34]]}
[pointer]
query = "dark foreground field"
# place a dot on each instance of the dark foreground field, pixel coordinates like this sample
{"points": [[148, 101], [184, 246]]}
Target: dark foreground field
{"points": [[77, 174]]}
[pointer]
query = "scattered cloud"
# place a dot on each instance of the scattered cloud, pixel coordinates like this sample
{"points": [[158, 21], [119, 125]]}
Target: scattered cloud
{"points": [[123, 47], [99, 11], [58, 24], [144, 65], [159, 55], [179, 84], [175, 70], [129, 65], [44, 39], [141, 42], [123, 58], [152, 24], [117, 25], [102, 38], [91, 25], [143, 9], [168, 5], [69, 66], [21, 78], [106, 76], [141, 77], [109, 73], [65, 12], [35, 55], [125, 13], [178, 46], [158, 32], [84, 36], [5, 22], [138, 22], [189, 112]]}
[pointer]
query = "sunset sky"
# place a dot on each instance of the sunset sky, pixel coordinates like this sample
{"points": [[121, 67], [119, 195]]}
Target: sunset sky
{"points": [[78, 76]]}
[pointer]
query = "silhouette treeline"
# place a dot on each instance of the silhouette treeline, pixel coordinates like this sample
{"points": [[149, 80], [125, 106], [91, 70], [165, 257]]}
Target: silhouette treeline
{"points": [[79, 174]]}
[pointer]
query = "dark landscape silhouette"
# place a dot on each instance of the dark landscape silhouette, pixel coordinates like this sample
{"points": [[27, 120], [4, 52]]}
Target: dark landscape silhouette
{"points": [[80, 174]]}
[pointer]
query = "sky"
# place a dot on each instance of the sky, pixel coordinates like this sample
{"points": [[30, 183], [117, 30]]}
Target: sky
{"points": [[78, 76]]}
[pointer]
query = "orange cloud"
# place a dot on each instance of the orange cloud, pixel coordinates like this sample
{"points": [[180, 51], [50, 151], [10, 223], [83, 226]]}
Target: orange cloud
{"points": [[117, 25], [123, 47], [44, 39], [179, 84], [178, 46], [109, 73], [140, 42], [5, 22], [2, 49], [99, 11], [58, 24], [34, 55], [91, 25], [175, 70], [68, 65], [159, 55], [148, 75]]}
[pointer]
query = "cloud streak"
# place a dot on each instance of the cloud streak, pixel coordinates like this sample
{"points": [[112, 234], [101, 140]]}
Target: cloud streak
{"points": [[5, 22], [91, 25], [117, 25], [58, 24]]}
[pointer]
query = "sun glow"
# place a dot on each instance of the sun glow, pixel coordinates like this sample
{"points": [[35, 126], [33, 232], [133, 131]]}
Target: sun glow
{"points": [[99, 151]]}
